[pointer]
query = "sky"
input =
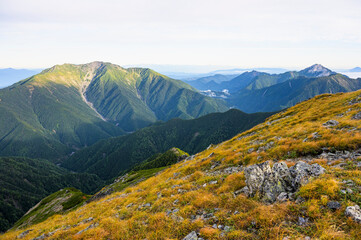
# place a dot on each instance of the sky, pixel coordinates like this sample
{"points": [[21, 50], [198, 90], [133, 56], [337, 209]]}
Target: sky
{"points": [[224, 33]]}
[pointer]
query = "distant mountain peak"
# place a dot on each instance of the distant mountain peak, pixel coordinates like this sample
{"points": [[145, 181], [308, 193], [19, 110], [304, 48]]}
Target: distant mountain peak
{"points": [[356, 69], [316, 70]]}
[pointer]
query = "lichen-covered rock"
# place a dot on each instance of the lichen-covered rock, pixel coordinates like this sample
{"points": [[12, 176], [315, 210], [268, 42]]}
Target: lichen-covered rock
{"points": [[278, 182], [354, 212]]}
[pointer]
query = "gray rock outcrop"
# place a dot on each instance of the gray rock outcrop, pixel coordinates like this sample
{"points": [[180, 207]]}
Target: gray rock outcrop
{"points": [[279, 182]]}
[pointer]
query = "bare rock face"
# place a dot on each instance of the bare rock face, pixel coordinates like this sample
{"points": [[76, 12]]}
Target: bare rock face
{"points": [[354, 212], [279, 182]]}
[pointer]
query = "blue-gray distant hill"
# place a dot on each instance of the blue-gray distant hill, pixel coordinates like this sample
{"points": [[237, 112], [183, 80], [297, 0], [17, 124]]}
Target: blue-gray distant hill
{"points": [[10, 76]]}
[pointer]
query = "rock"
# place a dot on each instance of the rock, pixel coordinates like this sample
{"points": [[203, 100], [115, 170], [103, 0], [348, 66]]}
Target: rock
{"points": [[23, 234], [220, 227], [349, 190], [280, 182], [282, 197], [300, 172], [227, 228], [357, 116], [302, 221], [317, 170], [93, 225], [87, 220], [315, 135], [354, 212], [191, 236], [250, 150], [300, 200], [214, 226], [211, 155], [213, 182], [333, 205], [330, 123]]}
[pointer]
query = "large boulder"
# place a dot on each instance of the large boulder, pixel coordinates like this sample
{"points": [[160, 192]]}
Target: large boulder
{"points": [[278, 182]]}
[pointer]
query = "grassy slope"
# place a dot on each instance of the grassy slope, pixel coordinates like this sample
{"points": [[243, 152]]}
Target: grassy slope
{"points": [[24, 182], [57, 203], [109, 157], [291, 92], [253, 220]]}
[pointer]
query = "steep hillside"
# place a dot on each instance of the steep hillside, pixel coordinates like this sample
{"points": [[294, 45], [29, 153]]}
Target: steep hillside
{"points": [[311, 189], [59, 202], [24, 182], [291, 92], [68, 106], [109, 157]]}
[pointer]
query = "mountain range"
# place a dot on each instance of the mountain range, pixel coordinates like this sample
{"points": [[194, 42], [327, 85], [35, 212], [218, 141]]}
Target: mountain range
{"points": [[259, 91], [68, 106]]}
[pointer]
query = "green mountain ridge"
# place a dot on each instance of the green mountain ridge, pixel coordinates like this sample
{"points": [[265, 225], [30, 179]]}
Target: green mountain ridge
{"points": [[25, 181], [291, 92], [108, 158]]}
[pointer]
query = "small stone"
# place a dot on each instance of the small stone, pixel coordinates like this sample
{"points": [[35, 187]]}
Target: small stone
{"points": [[333, 205], [349, 191], [302, 221], [235, 212], [227, 228], [214, 226], [220, 227], [213, 182], [343, 191], [191, 236], [330, 123]]}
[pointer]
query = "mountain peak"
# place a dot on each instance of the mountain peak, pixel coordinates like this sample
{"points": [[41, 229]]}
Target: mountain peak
{"points": [[316, 70]]}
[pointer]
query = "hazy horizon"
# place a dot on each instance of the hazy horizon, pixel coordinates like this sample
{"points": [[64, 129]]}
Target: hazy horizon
{"points": [[246, 34]]}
